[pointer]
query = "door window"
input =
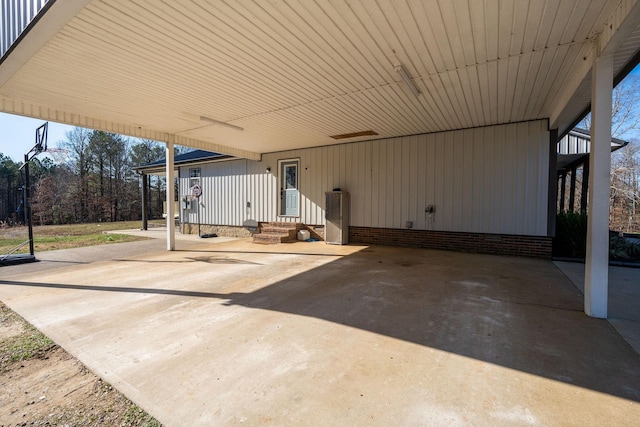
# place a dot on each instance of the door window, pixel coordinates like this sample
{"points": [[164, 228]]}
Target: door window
{"points": [[289, 191]]}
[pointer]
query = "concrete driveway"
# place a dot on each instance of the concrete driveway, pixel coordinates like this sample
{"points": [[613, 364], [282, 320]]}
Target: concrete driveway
{"points": [[311, 334], [623, 298]]}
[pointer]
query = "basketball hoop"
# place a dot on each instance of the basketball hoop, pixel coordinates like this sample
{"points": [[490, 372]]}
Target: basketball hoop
{"points": [[58, 154], [41, 139], [40, 145]]}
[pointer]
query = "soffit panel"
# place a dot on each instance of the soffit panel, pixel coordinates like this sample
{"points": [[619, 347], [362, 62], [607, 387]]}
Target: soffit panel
{"points": [[292, 74], [581, 99]]}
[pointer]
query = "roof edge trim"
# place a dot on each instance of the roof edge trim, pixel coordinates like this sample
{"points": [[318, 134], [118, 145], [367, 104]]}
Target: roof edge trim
{"points": [[11, 106]]}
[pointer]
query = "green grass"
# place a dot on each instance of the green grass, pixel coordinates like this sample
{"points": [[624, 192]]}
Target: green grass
{"points": [[86, 229], [53, 237], [26, 345]]}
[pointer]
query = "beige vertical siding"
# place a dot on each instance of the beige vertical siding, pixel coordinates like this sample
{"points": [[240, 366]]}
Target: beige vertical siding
{"points": [[488, 180]]}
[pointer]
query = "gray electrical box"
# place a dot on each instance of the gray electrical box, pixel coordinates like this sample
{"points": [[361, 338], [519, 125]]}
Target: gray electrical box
{"points": [[337, 218]]}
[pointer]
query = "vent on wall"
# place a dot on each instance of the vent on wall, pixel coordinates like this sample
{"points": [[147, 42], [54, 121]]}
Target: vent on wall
{"points": [[355, 134]]}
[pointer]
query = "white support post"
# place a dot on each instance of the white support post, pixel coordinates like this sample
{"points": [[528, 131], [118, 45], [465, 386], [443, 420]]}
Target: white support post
{"points": [[596, 278], [171, 222]]}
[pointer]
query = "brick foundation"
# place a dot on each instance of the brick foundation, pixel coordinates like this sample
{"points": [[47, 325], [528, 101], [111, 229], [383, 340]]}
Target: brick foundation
{"points": [[316, 231], [220, 230], [497, 244]]}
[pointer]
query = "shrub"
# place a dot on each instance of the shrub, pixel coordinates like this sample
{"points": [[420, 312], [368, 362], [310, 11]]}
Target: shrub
{"points": [[571, 240], [621, 249], [571, 235]]}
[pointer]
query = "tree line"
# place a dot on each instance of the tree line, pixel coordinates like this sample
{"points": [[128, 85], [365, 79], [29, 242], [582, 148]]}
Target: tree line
{"points": [[93, 181], [624, 196], [625, 189]]}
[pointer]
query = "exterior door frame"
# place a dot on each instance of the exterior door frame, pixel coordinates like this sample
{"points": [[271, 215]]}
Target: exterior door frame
{"points": [[282, 189]]}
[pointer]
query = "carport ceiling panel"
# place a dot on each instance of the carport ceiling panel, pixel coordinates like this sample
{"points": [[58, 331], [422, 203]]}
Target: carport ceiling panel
{"points": [[581, 98], [237, 62], [308, 125], [325, 67]]}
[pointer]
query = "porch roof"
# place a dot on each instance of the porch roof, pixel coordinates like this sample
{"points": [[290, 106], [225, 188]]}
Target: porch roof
{"points": [[573, 149], [190, 158]]}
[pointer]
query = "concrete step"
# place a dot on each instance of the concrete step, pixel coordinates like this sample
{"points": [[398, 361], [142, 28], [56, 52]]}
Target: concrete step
{"points": [[287, 225], [271, 238], [277, 232]]}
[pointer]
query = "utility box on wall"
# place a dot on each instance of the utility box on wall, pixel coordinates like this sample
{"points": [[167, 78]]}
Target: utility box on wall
{"points": [[337, 218]]}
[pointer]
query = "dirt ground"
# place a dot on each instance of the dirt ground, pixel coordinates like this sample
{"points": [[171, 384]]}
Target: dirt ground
{"points": [[42, 385]]}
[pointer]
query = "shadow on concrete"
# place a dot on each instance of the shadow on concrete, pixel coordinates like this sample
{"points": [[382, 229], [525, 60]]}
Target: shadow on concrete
{"points": [[205, 259], [310, 253], [157, 291], [521, 314]]}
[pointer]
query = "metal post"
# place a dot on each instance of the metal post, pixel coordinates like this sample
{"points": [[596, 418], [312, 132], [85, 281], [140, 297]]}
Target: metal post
{"points": [[563, 185], [170, 196], [552, 197], [585, 186], [596, 282], [27, 204], [572, 190], [145, 196]]}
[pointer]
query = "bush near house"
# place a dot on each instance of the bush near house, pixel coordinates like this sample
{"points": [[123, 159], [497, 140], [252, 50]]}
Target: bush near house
{"points": [[571, 235], [571, 240], [623, 249]]}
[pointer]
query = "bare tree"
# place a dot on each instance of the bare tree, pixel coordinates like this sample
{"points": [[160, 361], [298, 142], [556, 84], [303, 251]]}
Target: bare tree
{"points": [[625, 162], [143, 152], [79, 160], [10, 179], [625, 109], [625, 188]]}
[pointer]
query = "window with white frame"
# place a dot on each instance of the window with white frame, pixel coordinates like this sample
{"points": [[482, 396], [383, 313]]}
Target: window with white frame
{"points": [[194, 177]]}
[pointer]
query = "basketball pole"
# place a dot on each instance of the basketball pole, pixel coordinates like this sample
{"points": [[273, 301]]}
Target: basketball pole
{"points": [[27, 203], [39, 147]]}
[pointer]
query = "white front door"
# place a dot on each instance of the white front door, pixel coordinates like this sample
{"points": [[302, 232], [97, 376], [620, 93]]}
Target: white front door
{"points": [[289, 193]]}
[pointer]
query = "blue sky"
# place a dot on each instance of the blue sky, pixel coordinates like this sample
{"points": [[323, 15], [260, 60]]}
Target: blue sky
{"points": [[17, 134]]}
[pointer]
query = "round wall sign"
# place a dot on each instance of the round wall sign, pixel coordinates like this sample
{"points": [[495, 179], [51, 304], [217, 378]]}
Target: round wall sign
{"points": [[196, 190]]}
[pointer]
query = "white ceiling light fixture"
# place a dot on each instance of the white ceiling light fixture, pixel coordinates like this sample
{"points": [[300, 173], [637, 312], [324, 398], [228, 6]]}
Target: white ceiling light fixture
{"points": [[218, 122], [406, 78]]}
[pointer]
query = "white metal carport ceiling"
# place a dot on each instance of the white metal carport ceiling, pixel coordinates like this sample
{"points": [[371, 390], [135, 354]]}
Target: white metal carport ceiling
{"points": [[293, 73]]}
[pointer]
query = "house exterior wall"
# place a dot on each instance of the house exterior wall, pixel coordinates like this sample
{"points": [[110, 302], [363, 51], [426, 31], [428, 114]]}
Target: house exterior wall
{"points": [[15, 15], [484, 180]]}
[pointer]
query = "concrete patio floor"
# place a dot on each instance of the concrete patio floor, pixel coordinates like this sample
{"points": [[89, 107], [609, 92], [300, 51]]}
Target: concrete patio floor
{"points": [[624, 298], [227, 332]]}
